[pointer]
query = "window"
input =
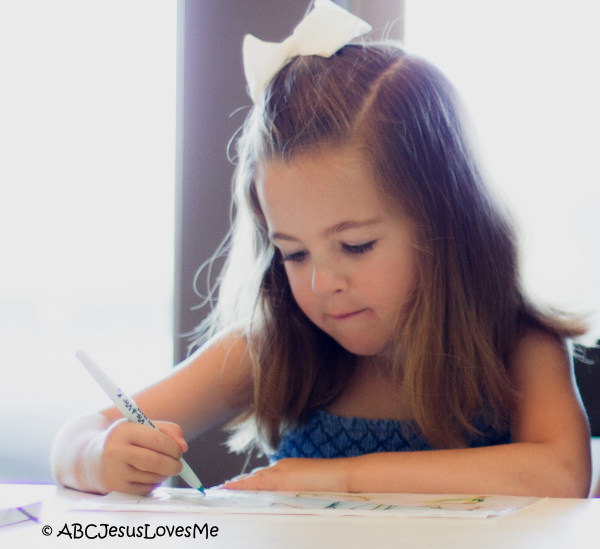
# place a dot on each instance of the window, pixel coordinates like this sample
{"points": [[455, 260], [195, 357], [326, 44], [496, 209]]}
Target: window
{"points": [[87, 135]]}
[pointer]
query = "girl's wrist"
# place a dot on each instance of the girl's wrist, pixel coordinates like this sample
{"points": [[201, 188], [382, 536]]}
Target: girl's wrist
{"points": [[350, 474]]}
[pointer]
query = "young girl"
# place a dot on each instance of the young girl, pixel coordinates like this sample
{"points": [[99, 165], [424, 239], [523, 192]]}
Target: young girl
{"points": [[371, 334]]}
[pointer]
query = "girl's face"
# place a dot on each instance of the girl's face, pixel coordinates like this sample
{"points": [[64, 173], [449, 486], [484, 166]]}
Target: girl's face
{"points": [[349, 258]]}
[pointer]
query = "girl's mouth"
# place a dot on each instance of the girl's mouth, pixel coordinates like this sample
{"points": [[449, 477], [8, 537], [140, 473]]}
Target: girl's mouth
{"points": [[344, 316]]}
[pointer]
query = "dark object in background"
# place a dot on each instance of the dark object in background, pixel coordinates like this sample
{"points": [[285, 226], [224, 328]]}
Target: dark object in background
{"points": [[587, 375]]}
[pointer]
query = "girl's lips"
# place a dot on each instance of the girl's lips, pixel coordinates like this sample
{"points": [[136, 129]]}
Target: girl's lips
{"points": [[343, 316]]}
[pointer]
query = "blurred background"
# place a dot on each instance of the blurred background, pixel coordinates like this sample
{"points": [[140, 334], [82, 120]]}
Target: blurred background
{"points": [[115, 117]]}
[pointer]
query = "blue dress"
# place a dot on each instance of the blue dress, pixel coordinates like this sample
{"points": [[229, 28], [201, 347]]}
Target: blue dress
{"points": [[329, 436]]}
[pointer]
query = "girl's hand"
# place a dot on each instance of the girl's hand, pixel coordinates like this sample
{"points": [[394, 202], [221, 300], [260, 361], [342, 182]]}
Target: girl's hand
{"points": [[135, 458], [296, 475]]}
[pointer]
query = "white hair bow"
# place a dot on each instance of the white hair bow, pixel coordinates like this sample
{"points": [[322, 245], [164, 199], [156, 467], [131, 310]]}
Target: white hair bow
{"points": [[322, 32]]}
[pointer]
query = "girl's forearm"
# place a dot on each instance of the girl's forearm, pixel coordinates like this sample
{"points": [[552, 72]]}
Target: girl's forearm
{"points": [[528, 469]]}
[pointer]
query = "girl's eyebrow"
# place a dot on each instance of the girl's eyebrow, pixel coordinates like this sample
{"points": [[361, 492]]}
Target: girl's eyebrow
{"points": [[335, 229]]}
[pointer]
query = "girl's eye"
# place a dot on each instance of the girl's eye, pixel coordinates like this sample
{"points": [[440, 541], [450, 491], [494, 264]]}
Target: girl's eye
{"points": [[359, 248], [296, 257]]}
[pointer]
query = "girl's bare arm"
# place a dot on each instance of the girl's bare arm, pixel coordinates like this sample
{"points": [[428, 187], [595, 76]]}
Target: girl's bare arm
{"points": [[101, 452], [549, 455]]}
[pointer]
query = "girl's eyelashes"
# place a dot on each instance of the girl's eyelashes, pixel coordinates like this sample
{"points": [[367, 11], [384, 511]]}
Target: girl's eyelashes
{"points": [[350, 249], [295, 257], [359, 248]]}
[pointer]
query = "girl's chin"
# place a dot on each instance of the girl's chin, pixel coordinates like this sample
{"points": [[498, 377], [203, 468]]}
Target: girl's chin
{"points": [[363, 348]]}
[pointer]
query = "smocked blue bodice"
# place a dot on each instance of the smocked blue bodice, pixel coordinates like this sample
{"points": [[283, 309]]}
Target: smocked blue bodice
{"points": [[329, 436]]}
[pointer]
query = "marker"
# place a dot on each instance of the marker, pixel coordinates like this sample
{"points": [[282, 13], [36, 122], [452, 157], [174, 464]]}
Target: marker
{"points": [[130, 410]]}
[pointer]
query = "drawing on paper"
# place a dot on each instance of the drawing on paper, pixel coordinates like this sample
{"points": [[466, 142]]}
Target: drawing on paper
{"points": [[187, 500]]}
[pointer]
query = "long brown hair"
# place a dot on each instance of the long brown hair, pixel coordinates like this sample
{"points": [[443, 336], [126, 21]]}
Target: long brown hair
{"points": [[468, 312]]}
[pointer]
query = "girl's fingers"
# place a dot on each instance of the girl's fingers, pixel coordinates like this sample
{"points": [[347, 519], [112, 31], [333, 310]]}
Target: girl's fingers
{"points": [[262, 478], [148, 461], [248, 475], [138, 489], [139, 471], [136, 476], [156, 440], [295, 474], [136, 458], [173, 431]]}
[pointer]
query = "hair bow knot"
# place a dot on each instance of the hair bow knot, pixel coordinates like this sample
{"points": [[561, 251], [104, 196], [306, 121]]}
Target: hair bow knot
{"points": [[326, 29]]}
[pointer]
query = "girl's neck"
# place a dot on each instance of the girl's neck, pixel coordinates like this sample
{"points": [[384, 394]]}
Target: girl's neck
{"points": [[377, 365], [371, 393]]}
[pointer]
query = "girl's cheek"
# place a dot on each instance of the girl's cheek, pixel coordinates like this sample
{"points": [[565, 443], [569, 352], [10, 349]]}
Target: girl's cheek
{"points": [[297, 280], [302, 292], [300, 295]]}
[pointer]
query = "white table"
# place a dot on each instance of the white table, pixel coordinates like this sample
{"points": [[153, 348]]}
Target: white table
{"points": [[548, 524]]}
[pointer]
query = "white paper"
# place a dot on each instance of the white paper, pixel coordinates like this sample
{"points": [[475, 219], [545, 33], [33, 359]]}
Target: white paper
{"points": [[21, 502], [218, 501]]}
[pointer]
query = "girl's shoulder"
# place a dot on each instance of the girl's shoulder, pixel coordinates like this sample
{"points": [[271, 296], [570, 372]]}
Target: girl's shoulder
{"points": [[219, 370], [540, 355], [541, 349], [228, 350]]}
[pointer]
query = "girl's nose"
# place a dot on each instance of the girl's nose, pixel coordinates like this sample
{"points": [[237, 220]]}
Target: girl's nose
{"points": [[326, 279]]}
